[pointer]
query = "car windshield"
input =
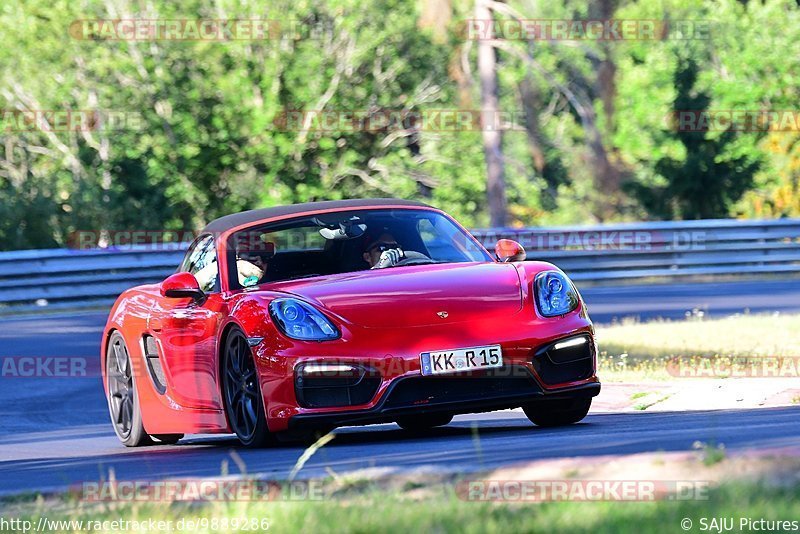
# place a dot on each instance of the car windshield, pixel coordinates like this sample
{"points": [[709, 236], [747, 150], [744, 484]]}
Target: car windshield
{"points": [[347, 241]]}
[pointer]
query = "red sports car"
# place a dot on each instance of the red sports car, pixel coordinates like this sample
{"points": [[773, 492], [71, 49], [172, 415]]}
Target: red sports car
{"points": [[303, 318]]}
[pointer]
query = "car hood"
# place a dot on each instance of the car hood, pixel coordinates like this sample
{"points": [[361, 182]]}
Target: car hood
{"points": [[416, 295]]}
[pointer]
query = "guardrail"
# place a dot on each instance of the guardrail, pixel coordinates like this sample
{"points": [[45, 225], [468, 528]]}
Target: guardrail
{"points": [[613, 252], [59, 278], [65, 278]]}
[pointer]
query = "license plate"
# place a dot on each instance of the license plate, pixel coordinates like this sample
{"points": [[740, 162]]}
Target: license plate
{"points": [[451, 361]]}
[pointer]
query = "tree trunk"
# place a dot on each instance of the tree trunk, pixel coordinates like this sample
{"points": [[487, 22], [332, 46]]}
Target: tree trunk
{"points": [[492, 137], [436, 15], [531, 104], [607, 174]]}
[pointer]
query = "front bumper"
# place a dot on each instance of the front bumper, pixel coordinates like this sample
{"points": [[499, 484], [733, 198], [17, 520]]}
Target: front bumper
{"points": [[415, 395], [399, 388]]}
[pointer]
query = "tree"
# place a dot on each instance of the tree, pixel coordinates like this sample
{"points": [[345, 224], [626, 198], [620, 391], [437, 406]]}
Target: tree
{"points": [[705, 183], [492, 137]]}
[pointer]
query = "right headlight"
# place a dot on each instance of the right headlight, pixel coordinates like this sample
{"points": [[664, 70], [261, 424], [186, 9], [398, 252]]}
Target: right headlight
{"points": [[555, 294], [300, 320]]}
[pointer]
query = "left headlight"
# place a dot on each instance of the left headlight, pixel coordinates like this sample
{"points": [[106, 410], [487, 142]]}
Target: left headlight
{"points": [[302, 321], [555, 294]]}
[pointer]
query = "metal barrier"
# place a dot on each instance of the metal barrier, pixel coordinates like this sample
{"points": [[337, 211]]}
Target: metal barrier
{"points": [[657, 250], [63, 278], [52, 279]]}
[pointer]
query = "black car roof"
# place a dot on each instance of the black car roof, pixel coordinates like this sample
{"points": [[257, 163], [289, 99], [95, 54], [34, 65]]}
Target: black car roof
{"points": [[252, 216]]}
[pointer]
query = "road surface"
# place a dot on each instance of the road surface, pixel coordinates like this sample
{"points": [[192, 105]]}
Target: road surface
{"points": [[55, 431]]}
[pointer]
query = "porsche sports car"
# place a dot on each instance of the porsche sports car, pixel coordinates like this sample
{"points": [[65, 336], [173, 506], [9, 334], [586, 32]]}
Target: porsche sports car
{"points": [[296, 319]]}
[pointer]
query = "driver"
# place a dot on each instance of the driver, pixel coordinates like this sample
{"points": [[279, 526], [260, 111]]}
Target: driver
{"points": [[383, 252], [386, 252]]}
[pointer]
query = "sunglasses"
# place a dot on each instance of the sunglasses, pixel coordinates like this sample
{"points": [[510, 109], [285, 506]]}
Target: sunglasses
{"points": [[382, 247]]}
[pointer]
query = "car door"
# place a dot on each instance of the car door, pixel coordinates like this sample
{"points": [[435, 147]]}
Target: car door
{"points": [[186, 332]]}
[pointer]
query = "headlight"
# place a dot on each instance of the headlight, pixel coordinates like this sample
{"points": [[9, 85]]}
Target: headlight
{"points": [[555, 294], [299, 320]]}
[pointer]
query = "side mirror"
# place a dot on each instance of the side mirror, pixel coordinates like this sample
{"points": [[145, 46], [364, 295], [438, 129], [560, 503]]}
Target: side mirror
{"points": [[181, 286], [507, 250]]}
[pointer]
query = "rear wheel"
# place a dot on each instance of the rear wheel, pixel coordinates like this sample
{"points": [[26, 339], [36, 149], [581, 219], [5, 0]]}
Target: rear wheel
{"points": [[558, 414], [123, 400], [423, 422], [244, 404]]}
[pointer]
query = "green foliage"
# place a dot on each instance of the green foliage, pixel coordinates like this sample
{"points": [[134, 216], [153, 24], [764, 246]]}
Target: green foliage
{"points": [[444, 508], [703, 184], [210, 139]]}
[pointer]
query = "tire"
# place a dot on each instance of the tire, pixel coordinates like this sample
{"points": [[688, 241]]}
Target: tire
{"points": [[244, 404], [123, 399], [419, 423], [562, 414], [167, 439]]}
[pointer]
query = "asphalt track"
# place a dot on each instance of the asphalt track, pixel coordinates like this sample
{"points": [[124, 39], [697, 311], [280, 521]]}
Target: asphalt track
{"points": [[54, 432]]}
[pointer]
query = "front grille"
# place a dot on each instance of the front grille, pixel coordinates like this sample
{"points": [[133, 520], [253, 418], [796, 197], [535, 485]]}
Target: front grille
{"points": [[327, 390], [562, 365], [428, 390]]}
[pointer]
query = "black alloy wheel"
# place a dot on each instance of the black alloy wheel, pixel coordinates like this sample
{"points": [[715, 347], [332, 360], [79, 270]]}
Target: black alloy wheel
{"points": [[123, 400], [243, 402]]}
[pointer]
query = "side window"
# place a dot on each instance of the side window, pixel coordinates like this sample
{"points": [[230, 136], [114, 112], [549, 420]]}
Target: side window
{"points": [[201, 261]]}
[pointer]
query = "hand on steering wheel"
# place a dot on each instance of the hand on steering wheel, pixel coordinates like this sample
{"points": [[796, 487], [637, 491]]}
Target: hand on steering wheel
{"points": [[390, 258]]}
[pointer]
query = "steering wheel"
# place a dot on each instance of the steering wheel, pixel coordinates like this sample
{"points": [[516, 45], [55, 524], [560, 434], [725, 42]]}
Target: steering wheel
{"points": [[415, 258]]}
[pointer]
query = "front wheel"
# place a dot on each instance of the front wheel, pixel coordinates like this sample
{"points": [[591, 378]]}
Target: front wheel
{"points": [[244, 404], [557, 414], [123, 400]]}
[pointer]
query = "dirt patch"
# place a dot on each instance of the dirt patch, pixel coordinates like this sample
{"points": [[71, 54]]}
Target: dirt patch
{"points": [[698, 394]]}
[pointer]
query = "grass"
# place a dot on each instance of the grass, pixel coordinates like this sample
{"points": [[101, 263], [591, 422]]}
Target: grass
{"points": [[440, 510], [642, 406], [711, 453], [629, 351], [632, 350], [647, 399]]}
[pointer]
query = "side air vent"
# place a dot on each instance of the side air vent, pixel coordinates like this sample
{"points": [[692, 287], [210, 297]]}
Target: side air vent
{"points": [[154, 368]]}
